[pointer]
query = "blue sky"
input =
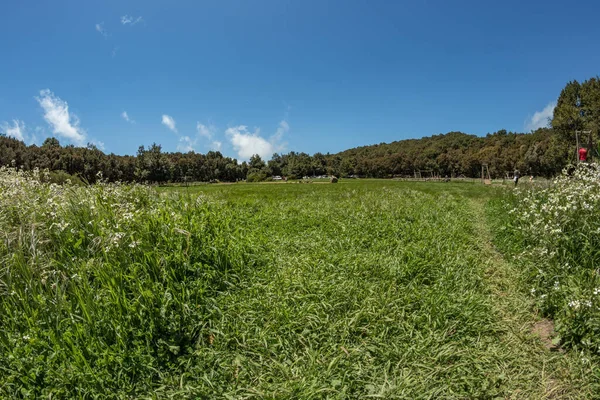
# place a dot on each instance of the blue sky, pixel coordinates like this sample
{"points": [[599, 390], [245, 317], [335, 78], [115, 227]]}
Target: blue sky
{"points": [[275, 75]]}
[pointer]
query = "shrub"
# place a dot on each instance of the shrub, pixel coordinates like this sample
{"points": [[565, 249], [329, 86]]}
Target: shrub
{"points": [[258, 176], [62, 178]]}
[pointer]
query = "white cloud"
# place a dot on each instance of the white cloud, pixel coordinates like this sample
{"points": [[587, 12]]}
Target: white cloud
{"points": [[186, 144], [249, 143], [101, 30], [540, 119], [113, 53], [169, 122], [282, 129], [127, 20], [56, 114], [17, 130], [206, 131], [98, 144], [125, 116]]}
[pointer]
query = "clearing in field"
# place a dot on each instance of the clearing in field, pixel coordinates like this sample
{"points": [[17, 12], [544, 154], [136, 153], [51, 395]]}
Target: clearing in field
{"points": [[362, 289]]}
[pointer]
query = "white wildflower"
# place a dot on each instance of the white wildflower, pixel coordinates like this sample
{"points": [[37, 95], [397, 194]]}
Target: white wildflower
{"points": [[575, 304]]}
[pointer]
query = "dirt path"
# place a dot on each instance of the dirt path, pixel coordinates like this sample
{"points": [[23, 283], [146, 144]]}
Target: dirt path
{"points": [[522, 330]]}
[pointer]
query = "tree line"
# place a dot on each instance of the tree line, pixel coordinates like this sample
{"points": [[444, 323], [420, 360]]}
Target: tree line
{"points": [[544, 152]]}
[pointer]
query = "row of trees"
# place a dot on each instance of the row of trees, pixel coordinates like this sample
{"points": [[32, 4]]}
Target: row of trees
{"points": [[544, 152], [539, 153], [149, 165]]}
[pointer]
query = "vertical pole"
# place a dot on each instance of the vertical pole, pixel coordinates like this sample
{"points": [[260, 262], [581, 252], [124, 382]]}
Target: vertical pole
{"points": [[590, 146], [577, 151]]}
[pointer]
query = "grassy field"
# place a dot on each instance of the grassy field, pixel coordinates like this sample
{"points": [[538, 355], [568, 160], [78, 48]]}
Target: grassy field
{"points": [[361, 289]]}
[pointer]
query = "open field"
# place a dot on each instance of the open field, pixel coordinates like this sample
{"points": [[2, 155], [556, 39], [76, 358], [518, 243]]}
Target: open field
{"points": [[366, 288]]}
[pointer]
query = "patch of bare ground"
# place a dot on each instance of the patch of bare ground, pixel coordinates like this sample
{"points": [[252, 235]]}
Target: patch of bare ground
{"points": [[544, 329]]}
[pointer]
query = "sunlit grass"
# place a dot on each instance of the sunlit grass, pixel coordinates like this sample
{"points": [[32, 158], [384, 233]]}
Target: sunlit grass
{"points": [[554, 234], [359, 289]]}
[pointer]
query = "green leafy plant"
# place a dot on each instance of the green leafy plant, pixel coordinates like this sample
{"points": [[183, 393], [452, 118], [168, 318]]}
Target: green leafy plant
{"points": [[554, 234]]}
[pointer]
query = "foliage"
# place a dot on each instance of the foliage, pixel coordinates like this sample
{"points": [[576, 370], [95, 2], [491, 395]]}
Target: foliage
{"points": [[150, 165], [256, 176], [61, 178], [555, 234], [578, 108], [454, 154]]}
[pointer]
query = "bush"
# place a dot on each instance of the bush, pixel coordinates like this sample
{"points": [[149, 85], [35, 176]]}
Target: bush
{"points": [[62, 178], [258, 176]]}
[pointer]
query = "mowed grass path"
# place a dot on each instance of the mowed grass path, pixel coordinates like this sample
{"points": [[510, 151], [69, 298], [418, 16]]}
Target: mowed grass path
{"points": [[372, 289]]}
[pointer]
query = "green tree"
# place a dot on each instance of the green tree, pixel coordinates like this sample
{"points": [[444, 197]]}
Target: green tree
{"points": [[256, 162], [141, 169], [51, 143], [567, 114]]}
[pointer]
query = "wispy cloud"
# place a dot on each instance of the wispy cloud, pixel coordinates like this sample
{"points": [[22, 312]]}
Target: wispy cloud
{"points": [[282, 129], [540, 119], [17, 130], [186, 144], [169, 122], [101, 30], [56, 114], [127, 20], [125, 116], [205, 130], [98, 144], [114, 51], [216, 145]]}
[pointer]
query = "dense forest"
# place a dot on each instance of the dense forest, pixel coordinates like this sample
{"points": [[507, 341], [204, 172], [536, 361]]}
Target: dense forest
{"points": [[544, 152]]}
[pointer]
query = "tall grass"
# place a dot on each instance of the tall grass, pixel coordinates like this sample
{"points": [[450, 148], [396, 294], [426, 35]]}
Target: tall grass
{"points": [[251, 291], [554, 233], [107, 286]]}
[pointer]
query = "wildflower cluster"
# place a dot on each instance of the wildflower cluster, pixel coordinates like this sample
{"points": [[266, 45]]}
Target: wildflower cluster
{"points": [[97, 274], [557, 230], [94, 218]]}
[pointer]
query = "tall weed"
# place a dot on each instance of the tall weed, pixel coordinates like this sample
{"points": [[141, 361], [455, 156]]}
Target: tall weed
{"points": [[554, 233], [105, 286]]}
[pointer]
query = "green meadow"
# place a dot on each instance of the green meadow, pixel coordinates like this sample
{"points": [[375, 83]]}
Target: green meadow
{"points": [[361, 289]]}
